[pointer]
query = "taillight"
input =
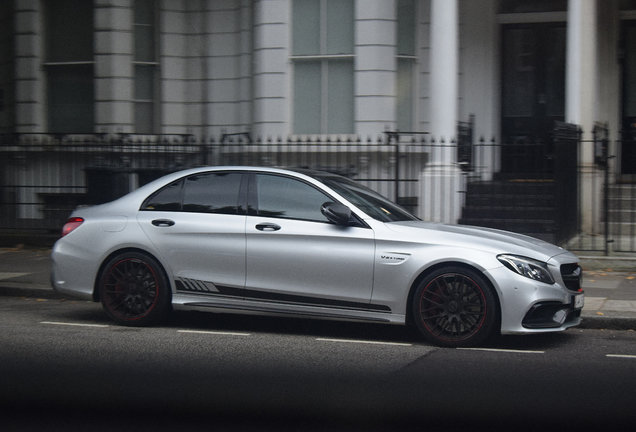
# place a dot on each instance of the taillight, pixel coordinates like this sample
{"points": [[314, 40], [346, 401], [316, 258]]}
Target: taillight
{"points": [[71, 224]]}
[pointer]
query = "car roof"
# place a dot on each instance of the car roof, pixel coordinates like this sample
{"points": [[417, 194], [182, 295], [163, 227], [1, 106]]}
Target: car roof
{"points": [[313, 175]]}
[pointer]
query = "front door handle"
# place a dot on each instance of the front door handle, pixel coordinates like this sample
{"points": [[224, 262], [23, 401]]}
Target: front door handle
{"points": [[267, 227], [163, 222]]}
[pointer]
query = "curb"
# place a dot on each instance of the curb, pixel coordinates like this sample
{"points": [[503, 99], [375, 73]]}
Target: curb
{"points": [[607, 323], [608, 263]]}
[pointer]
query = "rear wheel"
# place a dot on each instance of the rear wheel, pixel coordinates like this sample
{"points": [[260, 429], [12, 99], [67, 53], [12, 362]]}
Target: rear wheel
{"points": [[454, 306], [134, 290]]}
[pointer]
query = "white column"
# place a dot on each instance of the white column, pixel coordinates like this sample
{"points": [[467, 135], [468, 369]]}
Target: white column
{"points": [[113, 67], [441, 181], [245, 68], [271, 67], [581, 64], [444, 61], [376, 66], [29, 76], [581, 99]]}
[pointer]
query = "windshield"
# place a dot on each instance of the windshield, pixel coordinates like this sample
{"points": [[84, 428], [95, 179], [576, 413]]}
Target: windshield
{"points": [[370, 202]]}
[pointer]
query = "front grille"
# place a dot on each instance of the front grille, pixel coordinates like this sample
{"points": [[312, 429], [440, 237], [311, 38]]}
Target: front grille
{"points": [[572, 276]]}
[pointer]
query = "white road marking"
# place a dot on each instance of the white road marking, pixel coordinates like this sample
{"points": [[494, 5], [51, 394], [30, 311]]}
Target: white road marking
{"points": [[74, 324], [503, 350], [214, 333], [11, 275], [363, 342], [629, 356]]}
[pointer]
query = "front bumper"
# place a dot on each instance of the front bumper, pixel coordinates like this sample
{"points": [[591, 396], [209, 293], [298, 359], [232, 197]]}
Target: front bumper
{"points": [[550, 314], [529, 306]]}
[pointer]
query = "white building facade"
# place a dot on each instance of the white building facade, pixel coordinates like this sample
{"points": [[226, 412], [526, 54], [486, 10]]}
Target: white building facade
{"points": [[281, 67], [322, 68]]}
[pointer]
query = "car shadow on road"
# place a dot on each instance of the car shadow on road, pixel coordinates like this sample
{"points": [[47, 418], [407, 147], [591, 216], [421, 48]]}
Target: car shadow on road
{"points": [[349, 330], [292, 326]]}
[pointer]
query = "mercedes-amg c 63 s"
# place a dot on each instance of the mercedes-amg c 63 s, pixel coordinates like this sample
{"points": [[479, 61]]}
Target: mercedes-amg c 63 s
{"points": [[309, 244]]}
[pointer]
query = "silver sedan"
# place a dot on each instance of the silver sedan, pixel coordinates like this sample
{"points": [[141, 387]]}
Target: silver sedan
{"points": [[309, 244]]}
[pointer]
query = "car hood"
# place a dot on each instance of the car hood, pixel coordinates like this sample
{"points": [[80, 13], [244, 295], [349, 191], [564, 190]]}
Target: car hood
{"points": [[479, 238]]}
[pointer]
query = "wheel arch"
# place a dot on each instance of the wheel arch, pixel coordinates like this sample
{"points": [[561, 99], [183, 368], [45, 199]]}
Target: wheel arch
{"points": [[429, 270], [114, 253]]}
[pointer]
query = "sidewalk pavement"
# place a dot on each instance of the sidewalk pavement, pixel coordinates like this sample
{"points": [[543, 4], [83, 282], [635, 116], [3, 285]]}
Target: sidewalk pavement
{"points": [[609, 284]]}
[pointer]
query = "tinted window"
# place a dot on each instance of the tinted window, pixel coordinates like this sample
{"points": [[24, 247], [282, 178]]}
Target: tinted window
{"points": [[289, 198], [212, 193], [165, 199], [199, 193]]}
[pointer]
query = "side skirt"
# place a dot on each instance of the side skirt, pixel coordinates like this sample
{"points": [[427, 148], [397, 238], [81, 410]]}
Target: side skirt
{"points": [[229, 304]]}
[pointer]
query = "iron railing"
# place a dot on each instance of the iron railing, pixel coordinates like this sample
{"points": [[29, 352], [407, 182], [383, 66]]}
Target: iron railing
{"points": [[45, 177]]}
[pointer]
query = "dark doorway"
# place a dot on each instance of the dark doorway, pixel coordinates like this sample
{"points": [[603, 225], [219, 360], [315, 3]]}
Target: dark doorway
{"points": [[628, 141], [533, 93]]}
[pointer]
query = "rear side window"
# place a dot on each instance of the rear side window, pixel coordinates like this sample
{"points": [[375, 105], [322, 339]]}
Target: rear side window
{"points": [[200, 193], [165, 199], [212, 193]]}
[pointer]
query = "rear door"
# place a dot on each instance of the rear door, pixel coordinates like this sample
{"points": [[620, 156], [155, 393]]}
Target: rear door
{"points": [[198, 225]]}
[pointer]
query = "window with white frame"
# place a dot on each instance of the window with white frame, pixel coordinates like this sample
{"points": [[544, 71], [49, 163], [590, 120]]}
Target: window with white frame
{"points": [[322, 54], [524, 6], [69, 66], [406, 24], [145, 66]]}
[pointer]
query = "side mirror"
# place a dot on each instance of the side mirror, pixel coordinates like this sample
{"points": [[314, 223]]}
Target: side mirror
{"points": [[336, 213]]}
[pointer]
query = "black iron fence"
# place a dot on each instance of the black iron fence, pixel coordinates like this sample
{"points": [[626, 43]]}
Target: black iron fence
{"points": [[45, 177]]}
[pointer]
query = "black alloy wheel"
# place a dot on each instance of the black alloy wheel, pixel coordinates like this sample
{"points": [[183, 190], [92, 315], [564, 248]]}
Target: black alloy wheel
{"points": [[133, 289], [455, 307]]}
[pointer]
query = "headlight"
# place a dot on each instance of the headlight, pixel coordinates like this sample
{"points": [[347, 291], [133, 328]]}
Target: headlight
{"points": [[527, 267]]}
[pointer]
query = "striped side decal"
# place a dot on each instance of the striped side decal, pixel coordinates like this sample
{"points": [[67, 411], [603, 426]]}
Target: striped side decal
{"points": [[209, 288]]}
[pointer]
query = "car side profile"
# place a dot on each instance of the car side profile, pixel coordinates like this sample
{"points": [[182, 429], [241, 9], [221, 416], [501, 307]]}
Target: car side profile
{"points": [[309, 244]]}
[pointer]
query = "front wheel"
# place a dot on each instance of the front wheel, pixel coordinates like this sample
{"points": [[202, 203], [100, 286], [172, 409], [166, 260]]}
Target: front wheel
{"points": [[133, 289], [455, 307]]}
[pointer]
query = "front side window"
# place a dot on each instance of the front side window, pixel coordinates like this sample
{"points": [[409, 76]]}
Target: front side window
{"points": [[323, 35], [69, 66], [287, 198]]}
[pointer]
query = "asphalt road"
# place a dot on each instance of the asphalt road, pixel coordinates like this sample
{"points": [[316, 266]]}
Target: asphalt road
{"points": [[64, 366]]}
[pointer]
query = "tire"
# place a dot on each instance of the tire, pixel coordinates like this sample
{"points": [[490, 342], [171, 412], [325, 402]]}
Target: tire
{"points": [[134, 290], [454, 307]]}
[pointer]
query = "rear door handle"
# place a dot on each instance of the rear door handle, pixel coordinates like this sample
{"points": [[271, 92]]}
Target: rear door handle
{"points": [[267, 227], [163, 222]]}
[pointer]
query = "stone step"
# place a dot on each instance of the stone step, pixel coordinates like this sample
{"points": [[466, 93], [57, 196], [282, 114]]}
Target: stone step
{"points": [[623, 216], [623, 191]]}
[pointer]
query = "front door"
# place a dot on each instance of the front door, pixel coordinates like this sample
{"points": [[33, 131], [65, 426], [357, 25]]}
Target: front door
{"points": [[295, 255], [628, 142], [533, 93]]}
